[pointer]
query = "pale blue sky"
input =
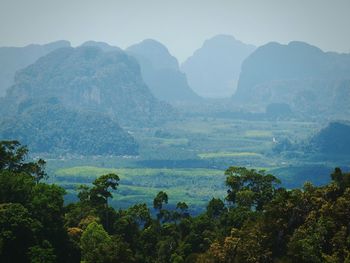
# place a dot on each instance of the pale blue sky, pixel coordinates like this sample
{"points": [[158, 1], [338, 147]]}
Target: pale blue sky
{"points": [[182, 25]]}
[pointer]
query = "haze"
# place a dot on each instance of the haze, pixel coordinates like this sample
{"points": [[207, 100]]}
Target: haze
{"points": [[181, 25]]}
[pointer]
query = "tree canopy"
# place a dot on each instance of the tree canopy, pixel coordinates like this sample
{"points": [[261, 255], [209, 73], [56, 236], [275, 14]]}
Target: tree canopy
{"points": [[258, 221]]}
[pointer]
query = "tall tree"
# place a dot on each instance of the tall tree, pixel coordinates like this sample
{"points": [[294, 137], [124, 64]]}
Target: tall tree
{"points": [[96, 244], [250, 187]]}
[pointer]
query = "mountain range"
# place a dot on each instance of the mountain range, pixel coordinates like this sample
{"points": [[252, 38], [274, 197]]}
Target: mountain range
{"points": [[136, 87]]}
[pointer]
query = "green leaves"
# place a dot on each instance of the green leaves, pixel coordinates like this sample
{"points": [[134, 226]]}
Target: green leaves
{"points": [[95, 244], [263, 224], [250, 188], [12, 156], [159, 200], [100, 192]]}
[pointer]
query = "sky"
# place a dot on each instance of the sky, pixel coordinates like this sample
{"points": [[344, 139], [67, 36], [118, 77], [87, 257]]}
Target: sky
{"points": [[182, 25]]}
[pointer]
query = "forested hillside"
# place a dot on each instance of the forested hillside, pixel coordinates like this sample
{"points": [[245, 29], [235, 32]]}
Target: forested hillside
{"points": [[333, 139], [258, 221], [49, 127]]}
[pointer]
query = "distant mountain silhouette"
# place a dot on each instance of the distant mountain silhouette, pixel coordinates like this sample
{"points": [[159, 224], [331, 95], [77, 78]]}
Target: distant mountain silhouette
{"points": [[102, 45], [213, 70], [86, 78], [160, 71], [301, 75], [13, 59]]}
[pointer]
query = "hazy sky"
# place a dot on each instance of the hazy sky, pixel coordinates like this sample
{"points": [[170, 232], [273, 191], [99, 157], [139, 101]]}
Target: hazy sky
{"points": [[182, 25]]}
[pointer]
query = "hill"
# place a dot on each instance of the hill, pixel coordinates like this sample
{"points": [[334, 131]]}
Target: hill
{"points": [[13, 59], [333, 139], [51, 128], [298, 74], [86, 78], [161, 72], [213, 70]]}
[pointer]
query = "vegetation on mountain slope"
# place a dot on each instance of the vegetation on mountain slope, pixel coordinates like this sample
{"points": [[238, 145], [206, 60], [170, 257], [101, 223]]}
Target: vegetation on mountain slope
{"points": [[48, 127]]}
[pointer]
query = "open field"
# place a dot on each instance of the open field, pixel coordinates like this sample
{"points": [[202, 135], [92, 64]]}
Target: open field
{"points": [[227, 154], [187, 159], [195, 186]]}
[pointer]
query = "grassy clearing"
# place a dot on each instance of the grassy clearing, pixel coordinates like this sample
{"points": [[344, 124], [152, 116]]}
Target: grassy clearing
{"points": [[174, 142], [82, 171], [228, 154], [195, 186]]}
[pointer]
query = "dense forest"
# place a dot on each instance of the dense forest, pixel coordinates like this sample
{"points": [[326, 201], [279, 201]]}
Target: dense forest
{"points": [[48, 126], [258, 221]]}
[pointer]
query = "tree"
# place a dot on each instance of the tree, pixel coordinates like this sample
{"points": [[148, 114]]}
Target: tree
{"points": [[46, 206], [94, 201], [16, 187], [42, 254], [215, 207], [12, 156], [250, 187], [100, 192], [17, 232], [95, 244], [181, 211], [140, 214], [340, 178], [306, 243], [158, 202]]}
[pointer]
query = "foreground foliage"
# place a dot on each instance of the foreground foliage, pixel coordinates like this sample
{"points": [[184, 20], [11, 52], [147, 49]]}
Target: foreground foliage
{"points": [[256, 222]]}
